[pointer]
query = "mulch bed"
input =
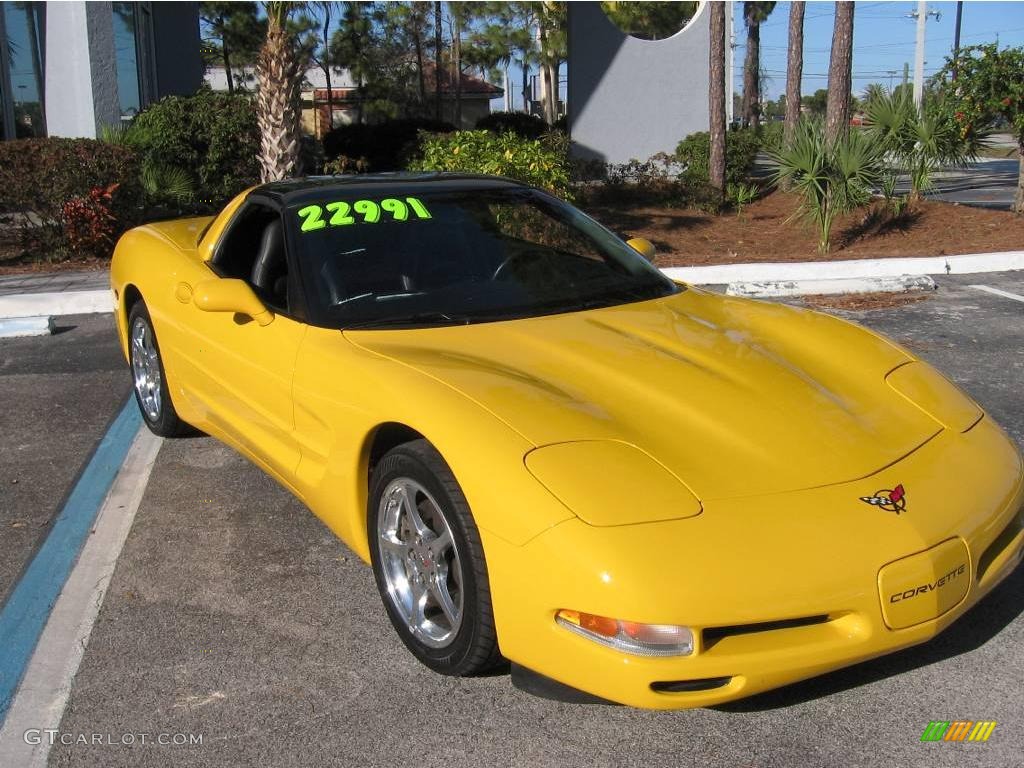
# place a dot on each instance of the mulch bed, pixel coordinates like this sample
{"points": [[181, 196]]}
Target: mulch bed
{"points": [[864, 301], [767, 231]]}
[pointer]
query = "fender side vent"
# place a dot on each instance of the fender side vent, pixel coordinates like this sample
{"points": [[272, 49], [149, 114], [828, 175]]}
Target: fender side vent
{"points": [[689, 686], [712, 635]]}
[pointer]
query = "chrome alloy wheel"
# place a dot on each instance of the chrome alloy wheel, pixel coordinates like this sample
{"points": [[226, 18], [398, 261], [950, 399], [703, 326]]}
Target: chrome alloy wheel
{"points": [[420, 562], [146, 368]]}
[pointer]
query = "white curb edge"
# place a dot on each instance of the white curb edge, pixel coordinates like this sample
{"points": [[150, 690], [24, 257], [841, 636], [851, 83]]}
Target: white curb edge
{"points": [[784, 288], [62, 303], [88, 302], [861, 268]]}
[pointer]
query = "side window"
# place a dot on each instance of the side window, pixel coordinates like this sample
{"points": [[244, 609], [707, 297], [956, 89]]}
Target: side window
{"points": [[253, 250]]}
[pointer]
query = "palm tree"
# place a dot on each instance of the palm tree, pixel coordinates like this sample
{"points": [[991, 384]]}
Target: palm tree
{"points": [[840, 73], [794, 68], [279, 70], [716, 99], [754, 13]]}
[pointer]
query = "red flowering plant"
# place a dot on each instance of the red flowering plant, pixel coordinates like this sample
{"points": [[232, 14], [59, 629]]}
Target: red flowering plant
{"points": [[89, 222], [987, 93]]}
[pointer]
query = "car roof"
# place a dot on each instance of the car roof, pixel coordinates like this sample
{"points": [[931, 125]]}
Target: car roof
{"points": [[315, 188]]}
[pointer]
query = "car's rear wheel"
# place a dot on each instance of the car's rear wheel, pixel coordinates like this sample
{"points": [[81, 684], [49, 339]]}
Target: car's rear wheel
{"points": [[429, 563], [148, 379]]}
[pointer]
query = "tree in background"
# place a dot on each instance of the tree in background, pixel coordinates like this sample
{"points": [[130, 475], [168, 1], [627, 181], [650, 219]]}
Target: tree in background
{"points": [[716, 99], [816, 103], [840, 73], [989, 88], [551, 44], [754, 14], [279, 69], [794, 68], [649, 20], [352, 46], [235, 31], [323, 56]]}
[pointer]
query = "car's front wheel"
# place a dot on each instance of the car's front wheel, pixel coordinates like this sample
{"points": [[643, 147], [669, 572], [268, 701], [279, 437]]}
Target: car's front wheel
{"points": [[429, 563], [148, 380]]}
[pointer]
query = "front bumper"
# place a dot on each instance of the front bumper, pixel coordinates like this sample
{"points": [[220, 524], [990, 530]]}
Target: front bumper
{"points": [[777, 589]]}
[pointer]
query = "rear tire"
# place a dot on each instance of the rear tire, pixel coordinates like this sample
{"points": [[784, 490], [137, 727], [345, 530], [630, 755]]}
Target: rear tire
{"points": [[429, 563], [149, 381]]}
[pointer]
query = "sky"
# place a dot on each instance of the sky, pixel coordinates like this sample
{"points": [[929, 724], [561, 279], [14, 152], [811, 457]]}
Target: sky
{"points": [[883, 39]]}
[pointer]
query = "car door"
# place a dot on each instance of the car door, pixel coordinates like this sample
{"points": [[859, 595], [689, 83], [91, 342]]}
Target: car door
{"points": [[241, 370]]}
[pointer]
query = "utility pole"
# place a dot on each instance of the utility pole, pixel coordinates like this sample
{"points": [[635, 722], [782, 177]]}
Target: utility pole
{"points": [[956, 37], [922, 17], [921, 14]]}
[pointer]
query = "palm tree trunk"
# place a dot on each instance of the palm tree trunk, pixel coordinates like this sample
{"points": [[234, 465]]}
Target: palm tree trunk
{"points": [[278, 69], [840, 73], [794, 68], [751, 79], [716, 98]]}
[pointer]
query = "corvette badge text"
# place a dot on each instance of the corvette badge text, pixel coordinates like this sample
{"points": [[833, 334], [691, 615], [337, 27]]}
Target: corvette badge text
{"points": [[958, 730], [931, 587]]}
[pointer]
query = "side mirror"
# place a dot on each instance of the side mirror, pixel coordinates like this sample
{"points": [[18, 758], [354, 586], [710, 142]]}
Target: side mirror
{"points": [[231, 295], [643, 246]]}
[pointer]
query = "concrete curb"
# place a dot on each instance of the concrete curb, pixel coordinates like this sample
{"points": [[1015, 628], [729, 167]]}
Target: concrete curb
{"points": [[784, 288], [860, 268], [62, 303], [13, 327], [87, 302]]}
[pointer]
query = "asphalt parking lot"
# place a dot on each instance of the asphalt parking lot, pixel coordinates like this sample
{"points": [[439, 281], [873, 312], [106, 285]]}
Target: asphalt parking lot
{"points": [[233, 613]]}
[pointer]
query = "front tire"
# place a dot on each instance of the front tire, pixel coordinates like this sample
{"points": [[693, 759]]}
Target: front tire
{"points": [[149, 382], [429, 563]]}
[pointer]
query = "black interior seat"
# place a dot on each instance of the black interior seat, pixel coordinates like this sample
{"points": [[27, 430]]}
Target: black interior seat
{"points": [[270, 269]]}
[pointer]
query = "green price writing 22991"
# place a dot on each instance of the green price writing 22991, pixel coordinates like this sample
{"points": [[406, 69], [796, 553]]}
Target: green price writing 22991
{"points": [[342, 213]]}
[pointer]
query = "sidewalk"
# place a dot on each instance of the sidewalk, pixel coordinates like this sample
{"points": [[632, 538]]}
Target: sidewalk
{"points": [[55, 282]]}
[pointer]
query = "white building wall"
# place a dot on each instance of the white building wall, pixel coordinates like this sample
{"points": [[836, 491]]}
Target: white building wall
{"points": [[81, 84], [632, 98]]}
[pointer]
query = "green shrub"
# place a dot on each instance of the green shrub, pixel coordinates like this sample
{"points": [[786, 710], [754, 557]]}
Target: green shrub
{"points": [[541, 162], [386, 146], [210, 136], [831, 178], [741, 148], [519, 123], [69, 196]]}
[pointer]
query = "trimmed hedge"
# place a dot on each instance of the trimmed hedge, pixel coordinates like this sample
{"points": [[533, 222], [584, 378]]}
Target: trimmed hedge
{"points": [[387, 146], [523, 125], [211, 136], [69, 196], [741, 148], [541, 162]]}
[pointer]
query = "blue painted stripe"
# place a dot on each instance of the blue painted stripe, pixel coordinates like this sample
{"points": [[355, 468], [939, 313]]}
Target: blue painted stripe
{"points": [[29, 604]]}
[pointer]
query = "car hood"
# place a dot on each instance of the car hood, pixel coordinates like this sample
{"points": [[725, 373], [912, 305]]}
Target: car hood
{"points": [[734, 397]]}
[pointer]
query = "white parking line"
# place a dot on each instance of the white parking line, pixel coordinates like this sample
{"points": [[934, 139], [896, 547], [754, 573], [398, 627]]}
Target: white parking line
{"points": [[997, 292], [43, 694]]}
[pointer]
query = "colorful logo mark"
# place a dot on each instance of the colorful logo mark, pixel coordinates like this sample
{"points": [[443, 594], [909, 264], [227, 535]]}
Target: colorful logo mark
{"points": [[891, 501], [958, 730]]}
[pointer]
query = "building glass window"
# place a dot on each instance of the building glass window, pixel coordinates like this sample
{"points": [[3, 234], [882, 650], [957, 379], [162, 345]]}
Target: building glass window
{"points": [[23, 25], [126, 49]]}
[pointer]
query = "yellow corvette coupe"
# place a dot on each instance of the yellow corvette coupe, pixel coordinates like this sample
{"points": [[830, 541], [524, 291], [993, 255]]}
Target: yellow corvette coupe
{"points": [[550, 453]]}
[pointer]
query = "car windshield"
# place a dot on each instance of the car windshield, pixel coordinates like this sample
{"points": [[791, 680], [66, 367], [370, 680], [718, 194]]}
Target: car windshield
{"points": [[424, 258]]}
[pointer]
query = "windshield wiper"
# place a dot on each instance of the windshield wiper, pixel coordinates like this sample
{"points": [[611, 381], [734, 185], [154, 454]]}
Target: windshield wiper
{"points": [[415, 318]]}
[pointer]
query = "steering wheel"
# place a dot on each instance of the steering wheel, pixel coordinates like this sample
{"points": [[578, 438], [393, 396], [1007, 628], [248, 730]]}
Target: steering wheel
{"points": [[519, 258]]}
